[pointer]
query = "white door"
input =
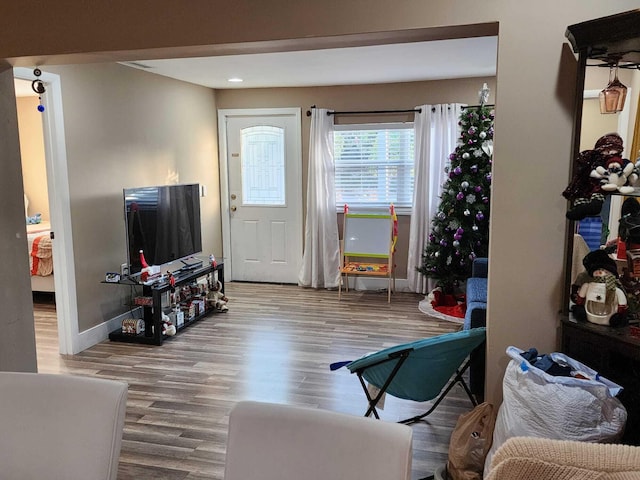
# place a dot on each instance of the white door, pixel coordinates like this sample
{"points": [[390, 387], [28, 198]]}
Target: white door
{"points": [[264, 195]]}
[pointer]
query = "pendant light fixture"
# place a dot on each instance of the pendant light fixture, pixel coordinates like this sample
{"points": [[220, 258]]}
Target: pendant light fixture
{"points": [[612, 97]]}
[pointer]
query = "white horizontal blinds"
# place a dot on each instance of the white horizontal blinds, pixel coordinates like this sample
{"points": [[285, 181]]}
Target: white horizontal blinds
{"points": [[374, 165]]}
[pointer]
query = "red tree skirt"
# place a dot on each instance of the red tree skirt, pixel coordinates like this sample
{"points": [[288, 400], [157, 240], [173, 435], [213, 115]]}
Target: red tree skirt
{"points": [[447, 307]]}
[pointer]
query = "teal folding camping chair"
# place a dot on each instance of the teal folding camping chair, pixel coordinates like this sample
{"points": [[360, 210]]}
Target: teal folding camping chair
{"points": [[419, 370]]}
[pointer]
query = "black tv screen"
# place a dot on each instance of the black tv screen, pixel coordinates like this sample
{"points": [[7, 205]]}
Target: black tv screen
{"points": [[163, 222]]}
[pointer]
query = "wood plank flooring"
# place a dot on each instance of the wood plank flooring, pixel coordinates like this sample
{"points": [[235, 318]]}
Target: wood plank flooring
{"points": [[274, 344]]}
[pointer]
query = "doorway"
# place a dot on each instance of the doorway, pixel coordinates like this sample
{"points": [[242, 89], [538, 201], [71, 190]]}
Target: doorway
{"points": [[261, 191], [59, 209]]}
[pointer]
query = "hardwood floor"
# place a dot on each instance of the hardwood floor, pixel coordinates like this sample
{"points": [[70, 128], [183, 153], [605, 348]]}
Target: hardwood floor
{"points": [[274, 344]]}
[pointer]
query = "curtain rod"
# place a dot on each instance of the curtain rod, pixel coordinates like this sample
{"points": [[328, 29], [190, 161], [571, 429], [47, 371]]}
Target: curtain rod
{"points": [[363, 112], [478, 106]]}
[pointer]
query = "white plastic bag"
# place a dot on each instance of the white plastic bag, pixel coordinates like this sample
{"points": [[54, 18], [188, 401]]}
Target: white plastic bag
{"points": [[536, 404]]}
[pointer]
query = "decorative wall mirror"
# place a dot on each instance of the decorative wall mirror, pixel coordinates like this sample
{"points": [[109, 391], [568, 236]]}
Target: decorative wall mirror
{"points": [[613, 350], [598, 231]]}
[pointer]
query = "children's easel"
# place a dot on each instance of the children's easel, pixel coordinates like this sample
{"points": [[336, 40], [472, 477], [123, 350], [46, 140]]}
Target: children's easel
{"points": [[368, 236]]}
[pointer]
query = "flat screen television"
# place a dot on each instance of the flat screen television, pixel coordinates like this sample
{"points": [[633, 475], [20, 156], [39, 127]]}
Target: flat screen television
{"points": [[163, 222]]}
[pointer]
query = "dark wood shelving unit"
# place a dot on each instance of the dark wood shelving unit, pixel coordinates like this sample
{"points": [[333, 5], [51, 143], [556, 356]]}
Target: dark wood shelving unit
{"points": [[152, 314]]}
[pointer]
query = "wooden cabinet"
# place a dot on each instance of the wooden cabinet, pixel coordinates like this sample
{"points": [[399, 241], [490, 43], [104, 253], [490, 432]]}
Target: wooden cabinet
{"points": [[613, 352]]}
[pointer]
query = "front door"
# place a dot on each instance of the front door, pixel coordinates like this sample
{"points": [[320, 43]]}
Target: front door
{"points": [[264, 190]]}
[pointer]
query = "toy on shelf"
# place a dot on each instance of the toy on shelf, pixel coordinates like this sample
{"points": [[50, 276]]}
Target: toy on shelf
{"points": [[601, 300], [216, 299], [168, 328], [597, 173]]}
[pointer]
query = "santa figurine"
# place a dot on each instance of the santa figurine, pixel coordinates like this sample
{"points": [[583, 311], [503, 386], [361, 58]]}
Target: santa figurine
{"points": [[601, 300]]}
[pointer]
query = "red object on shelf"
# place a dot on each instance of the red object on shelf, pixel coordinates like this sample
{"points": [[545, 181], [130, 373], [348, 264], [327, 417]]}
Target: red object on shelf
{"points": [[144, 273], [621, 251]]}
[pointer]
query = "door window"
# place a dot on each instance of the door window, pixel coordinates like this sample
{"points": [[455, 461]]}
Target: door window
{"points": [[263, 173]]}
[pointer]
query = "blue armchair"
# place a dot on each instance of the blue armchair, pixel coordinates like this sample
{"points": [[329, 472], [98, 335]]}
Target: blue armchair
{"points": [[476, 316]]}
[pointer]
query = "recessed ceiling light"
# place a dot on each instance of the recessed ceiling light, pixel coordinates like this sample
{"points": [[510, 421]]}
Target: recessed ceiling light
{"points": [[234, 79]]}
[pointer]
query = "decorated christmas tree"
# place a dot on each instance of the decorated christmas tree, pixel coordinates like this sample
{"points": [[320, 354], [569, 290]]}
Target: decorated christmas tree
{"points": [[460, 229]]}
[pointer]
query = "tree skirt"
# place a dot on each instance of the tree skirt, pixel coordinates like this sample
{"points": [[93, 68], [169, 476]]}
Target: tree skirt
{"points": [[444, 307]]}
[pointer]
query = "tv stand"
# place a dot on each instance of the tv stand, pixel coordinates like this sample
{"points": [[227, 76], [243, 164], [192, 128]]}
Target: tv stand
{"points": [[152, 314]]}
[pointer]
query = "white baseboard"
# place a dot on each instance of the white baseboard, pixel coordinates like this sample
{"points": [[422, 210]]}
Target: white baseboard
{"points": [[367, 283], [100, 333]]}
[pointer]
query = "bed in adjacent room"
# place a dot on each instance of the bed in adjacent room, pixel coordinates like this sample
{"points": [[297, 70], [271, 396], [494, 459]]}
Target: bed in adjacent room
{"points": [[40, 257]]}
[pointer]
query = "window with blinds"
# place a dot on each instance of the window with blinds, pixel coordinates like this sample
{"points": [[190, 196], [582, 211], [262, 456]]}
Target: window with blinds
{"points": [[374, 166]]}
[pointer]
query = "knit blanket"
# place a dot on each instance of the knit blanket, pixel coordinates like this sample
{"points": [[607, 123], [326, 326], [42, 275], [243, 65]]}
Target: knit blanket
{"points": [[41, 256], [528, 458]]}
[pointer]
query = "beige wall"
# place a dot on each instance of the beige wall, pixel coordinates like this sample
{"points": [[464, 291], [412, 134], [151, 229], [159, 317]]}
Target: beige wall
{"points": [[17, 342], [127, 128], [536, 79], [392, 96], [34, 170]]}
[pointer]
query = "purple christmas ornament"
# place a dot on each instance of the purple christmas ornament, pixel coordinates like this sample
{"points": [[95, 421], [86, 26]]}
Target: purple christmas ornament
{"points": [[460, 231], [443, 242], [478, 188], [479, 216], [459, 196], [474, 168], [457, 170]]}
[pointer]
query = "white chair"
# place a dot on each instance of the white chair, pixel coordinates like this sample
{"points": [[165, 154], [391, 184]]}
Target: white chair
{"points": [[60, 426], [282, 442]]}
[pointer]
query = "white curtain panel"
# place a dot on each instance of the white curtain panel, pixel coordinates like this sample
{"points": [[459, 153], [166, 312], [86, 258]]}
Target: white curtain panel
{"points": [[321, 259], [436, 134]]}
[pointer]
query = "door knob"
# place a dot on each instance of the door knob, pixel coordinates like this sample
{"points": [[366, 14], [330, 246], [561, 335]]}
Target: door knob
{"points": [[233, 208], [233, 196]]}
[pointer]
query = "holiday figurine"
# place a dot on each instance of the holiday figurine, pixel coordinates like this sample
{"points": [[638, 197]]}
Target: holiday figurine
{"points": [[212, 261], [172, 282], [216, 299], [144, 273], [599, 172], [601, 300]]}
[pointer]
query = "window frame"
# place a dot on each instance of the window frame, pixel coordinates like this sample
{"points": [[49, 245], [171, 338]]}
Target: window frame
{"points": [[400, 210]]}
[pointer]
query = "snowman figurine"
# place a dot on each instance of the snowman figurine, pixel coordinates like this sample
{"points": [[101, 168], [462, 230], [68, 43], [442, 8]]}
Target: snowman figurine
{"points": [[601, 300]]}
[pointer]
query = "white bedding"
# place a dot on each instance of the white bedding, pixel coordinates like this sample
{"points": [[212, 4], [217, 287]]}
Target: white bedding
{"points": [[39, 283]]}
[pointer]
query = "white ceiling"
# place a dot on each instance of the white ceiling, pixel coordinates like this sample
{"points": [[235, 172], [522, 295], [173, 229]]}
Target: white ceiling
{"points": [[399, 62]]}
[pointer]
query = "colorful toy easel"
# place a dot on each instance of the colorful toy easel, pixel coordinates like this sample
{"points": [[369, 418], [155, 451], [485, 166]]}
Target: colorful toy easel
{"points": [[368, 236]]}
